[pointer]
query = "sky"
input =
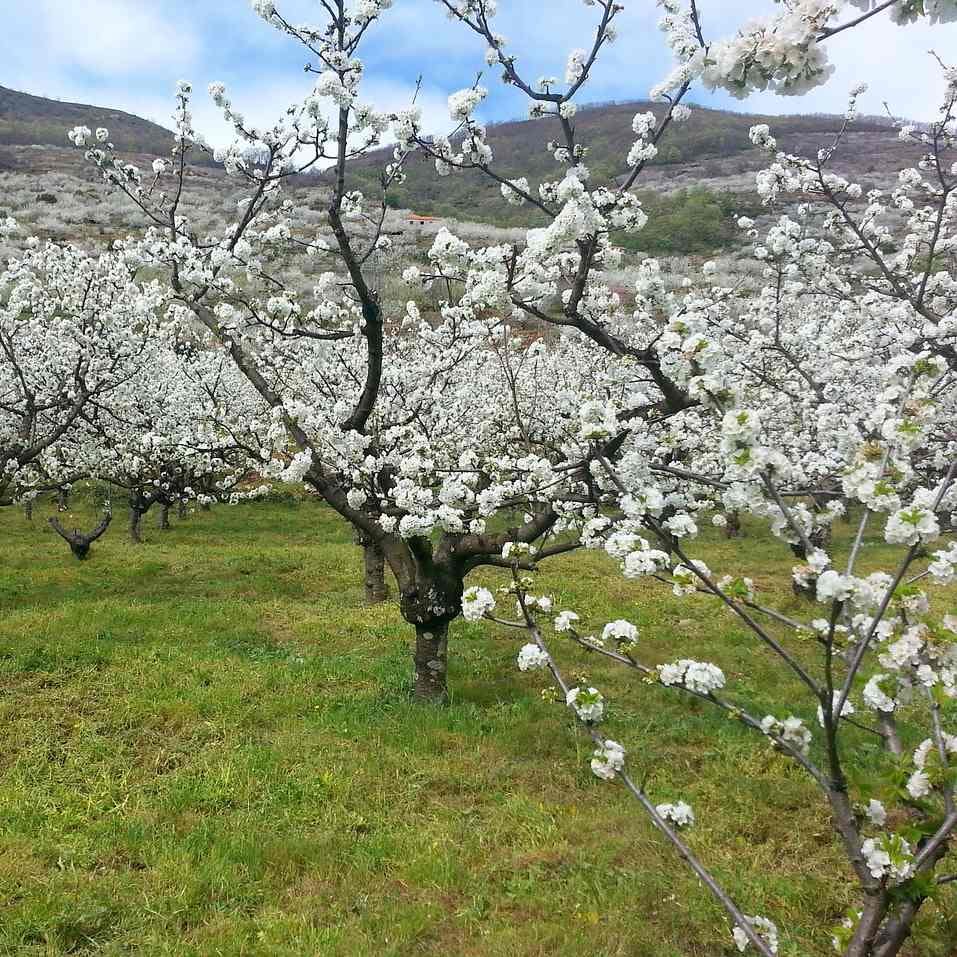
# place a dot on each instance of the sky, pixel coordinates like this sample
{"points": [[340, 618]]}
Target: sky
{"points": [[129, 54]]}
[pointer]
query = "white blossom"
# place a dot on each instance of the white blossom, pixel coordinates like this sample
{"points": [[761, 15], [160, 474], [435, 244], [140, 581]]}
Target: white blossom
{"points": [[477, 602], [764, 928], [608, 760], [587, 703], [531, 658], [679, 814], [701, 677]]}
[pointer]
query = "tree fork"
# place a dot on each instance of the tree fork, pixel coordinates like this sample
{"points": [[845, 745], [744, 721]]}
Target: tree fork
{"points": [[78, 541]]}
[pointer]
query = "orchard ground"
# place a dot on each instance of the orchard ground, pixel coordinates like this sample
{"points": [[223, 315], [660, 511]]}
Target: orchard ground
{"points": [[208, 747]]}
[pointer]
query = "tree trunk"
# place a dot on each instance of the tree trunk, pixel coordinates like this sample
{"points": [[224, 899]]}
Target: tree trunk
{"points": [[163, 520], [431, 663], [819, 538], [205, 506], [376, 587], [897, 926], [78, 541], [865, 935], [135, 516], [892, 739], [430, 583], [62, 500], [894, 935], [181, 510], [28, 509], [733, 527]]}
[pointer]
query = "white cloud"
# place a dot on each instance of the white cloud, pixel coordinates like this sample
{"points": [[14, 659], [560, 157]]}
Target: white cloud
{"points": [[128, 54], [105, 37]]}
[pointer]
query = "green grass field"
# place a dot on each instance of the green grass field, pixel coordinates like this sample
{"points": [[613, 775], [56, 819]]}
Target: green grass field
{"points": [[208, 747]]}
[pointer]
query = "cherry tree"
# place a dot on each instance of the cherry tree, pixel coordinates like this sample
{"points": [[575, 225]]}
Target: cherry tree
{"points": [[369, 410], [837, 381], [183, 427], [73, 328], [458, 444]]}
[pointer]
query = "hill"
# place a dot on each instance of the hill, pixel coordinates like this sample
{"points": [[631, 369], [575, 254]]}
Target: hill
{"points": [[711, 150], [700, 182], [27, 120]]}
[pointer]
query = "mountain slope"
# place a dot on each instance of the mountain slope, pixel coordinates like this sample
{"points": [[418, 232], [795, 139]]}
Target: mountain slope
{"points": [[711, 148], [27, 120], [700, 183]]}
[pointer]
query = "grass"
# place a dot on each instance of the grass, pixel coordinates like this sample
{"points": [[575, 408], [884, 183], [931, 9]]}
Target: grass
{"points": [[207, 747]]}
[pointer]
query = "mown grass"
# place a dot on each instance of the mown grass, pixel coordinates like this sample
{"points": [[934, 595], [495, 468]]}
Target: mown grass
{"points": [[208, 747]]}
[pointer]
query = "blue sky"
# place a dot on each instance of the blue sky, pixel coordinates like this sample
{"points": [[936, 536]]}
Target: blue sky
{"points": [[129, 54]]}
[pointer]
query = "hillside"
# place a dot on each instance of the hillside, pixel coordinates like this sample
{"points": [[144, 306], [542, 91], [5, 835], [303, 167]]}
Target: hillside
{"points": [[27, 120], [710, 150], [700, 183]]}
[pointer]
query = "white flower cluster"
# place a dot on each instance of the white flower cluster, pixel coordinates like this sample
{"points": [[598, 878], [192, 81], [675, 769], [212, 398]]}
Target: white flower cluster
{"points": [[531, 658], [909, 526], [700, 677], [587, 703], [464, 103], [264, 8], [927, 762], [80, 136], [778, 53], [791, 731], [608, 760], [833, 586], [515, 191], [876, 697], [643, 150], [679, 814], [847, 708], [565, 621], [621, 631], [686, 578], [515, 550], [763, 927], [943, 569], [576, 66], [477, 602], [922, 656], [876, 813], [888, 857], [368, 10]]}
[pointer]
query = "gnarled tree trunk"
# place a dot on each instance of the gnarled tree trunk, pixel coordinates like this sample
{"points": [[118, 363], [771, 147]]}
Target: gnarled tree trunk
{"points": [[181, 509], [163, 519], [78, 541], [430, 597]]}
